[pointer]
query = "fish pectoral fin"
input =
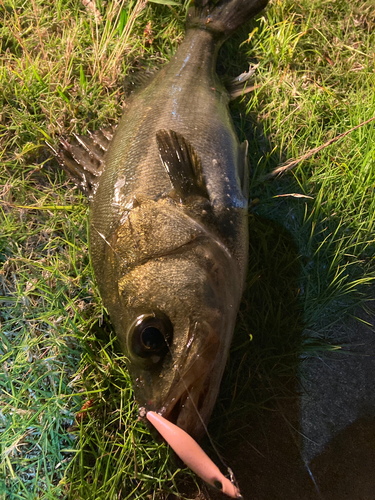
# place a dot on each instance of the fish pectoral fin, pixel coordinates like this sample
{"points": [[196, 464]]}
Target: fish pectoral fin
{"points": [[182, 164], [82, 158], [244, 169], [236, 87], [102, 138]]}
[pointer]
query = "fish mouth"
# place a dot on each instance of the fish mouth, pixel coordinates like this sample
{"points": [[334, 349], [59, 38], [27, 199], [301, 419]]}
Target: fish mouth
{"points": [[193, 393], [187, 410]]}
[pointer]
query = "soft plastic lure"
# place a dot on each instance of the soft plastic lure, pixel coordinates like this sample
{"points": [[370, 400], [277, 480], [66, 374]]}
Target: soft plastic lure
{"points": [[192, 454]]}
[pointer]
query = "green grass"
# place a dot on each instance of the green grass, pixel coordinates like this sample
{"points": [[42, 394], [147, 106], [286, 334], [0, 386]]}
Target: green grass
{"points": [[325, 87], [311, 259]]}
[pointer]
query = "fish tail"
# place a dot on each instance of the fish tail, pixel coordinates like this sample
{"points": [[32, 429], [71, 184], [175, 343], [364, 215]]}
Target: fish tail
{"points": [[222, 17]]}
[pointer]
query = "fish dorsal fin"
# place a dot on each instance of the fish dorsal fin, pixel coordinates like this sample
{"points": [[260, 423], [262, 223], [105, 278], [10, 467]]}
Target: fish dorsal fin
{"points": [[82, 158], [182, 164], [138, 79]]}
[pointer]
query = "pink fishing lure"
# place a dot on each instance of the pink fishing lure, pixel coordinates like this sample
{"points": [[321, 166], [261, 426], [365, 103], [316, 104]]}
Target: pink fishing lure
{"points": [[192, 454]]}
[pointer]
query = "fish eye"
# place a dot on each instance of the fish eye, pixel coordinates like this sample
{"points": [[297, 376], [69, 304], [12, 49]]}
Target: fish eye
{"points": [[152, 336]]}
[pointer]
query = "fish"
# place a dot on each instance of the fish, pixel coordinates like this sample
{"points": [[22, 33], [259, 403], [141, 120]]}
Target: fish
{"points": [[168, 224]]}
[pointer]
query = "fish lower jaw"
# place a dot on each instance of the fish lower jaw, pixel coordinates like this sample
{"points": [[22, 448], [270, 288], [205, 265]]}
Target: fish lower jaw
{"points": [[188, 411]]}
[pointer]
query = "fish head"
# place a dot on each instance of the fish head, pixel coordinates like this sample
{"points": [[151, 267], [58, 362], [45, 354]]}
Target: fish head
{"points": [[176, 334], [175, 315]]}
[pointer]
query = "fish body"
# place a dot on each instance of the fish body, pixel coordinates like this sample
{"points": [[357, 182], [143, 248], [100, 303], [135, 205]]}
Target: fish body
{"points": [[168, 224]]}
